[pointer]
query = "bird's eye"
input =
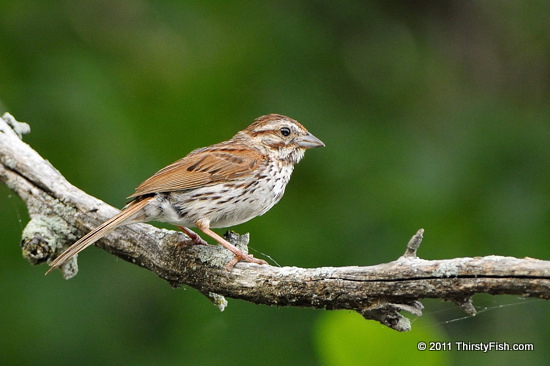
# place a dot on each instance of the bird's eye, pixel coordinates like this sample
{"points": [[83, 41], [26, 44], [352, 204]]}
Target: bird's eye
{"points": [[285, 131]]}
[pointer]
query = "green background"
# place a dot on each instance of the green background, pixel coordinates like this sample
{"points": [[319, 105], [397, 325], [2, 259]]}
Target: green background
{"points": [[435, 114]]}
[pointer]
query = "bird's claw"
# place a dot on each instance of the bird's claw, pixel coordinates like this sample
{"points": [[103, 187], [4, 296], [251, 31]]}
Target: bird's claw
{"points": [[243, 257]]}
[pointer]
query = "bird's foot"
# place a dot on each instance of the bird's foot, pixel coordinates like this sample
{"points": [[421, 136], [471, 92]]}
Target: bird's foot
{"points": [[243, 257], [195, 238]]}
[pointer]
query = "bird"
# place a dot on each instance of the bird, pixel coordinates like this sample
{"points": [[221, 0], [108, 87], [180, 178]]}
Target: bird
{"points": [[217, 186]]}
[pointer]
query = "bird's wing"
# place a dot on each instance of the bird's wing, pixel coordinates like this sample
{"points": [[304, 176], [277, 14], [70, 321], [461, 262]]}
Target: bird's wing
{"points": [[204, 167]]}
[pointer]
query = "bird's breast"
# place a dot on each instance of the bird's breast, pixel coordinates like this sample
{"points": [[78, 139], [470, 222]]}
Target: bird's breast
{"points": [[227, 203]]}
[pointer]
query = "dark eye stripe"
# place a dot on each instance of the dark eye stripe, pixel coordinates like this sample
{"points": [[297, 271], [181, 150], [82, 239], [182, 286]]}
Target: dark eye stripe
{"points": [[264, 132]]}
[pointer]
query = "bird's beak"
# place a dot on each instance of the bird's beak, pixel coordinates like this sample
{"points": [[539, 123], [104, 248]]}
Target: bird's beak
{"points": [[309, 141]]}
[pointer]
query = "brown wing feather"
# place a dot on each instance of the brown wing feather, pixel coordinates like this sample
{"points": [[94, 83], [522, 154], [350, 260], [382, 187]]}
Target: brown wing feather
{"points": [[203, 167]]}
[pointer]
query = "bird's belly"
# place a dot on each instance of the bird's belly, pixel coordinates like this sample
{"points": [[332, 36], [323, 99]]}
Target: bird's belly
{"points": [[224, 205]]}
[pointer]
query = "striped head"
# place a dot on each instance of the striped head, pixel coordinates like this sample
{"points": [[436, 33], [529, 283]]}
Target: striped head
{"points": [[284, 138]]}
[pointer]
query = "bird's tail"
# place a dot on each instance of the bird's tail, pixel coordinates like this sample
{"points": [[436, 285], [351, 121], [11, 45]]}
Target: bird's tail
{"points": [[99, 232]]}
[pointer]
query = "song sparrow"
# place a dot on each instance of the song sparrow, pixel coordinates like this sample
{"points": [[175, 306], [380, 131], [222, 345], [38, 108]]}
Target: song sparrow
{"points": [[216, 186]]}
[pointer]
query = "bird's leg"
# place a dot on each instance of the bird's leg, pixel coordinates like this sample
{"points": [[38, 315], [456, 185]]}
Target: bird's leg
{"points": [[239, 255], [193, 235]]}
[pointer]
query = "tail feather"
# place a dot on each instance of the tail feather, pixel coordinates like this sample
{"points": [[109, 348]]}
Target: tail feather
{"points": [[99, 232]]}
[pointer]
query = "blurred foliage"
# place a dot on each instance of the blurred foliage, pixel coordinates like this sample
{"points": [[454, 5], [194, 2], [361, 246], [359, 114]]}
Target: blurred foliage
{"points": [[435, 114], [346, 339]]}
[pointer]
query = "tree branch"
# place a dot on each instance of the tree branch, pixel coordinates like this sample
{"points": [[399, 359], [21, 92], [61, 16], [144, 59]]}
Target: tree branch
{"points": [[60, 213]]}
